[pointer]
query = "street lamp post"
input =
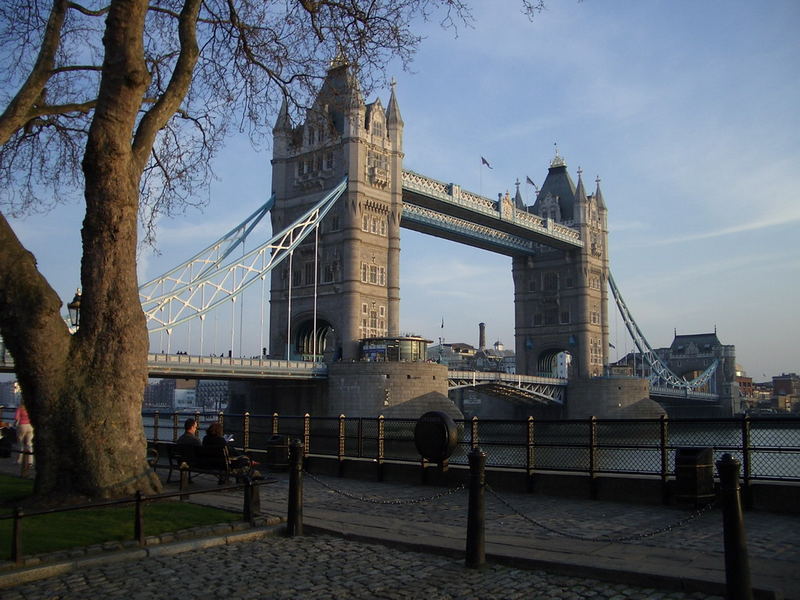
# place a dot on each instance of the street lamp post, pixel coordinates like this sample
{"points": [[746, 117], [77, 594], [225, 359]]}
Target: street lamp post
{"points": [[74, 308]]}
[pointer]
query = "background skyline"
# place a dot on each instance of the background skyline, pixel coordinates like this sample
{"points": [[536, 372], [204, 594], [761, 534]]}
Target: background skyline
{"points": [[686, 110]]}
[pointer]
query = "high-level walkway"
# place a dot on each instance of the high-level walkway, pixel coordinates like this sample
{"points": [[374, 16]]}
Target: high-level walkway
{"points": [[374, 540]]}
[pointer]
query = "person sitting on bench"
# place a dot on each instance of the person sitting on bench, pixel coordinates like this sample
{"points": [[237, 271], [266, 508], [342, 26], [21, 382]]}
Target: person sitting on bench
{"points": [[214, 438], [189, 436]]}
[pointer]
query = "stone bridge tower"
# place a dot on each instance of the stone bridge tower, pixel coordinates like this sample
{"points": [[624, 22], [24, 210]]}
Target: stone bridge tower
{"points": [[354, 265], [561, 296]]}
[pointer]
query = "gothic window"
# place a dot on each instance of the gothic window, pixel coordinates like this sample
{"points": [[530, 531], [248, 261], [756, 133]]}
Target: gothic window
{"points": [[374, 223], [382, 276], [551, 317], [309, 273], [382, 311], [365, 223], [364, 272], [329, 160], [569, 283], [318, 163], [334, 226], [550, 281], [364, 308], [373, 274], [564, 317], [297, 277], [327, 274], [310, 135], [377, 128], [532, 287], [537, 320], [383, 227]]}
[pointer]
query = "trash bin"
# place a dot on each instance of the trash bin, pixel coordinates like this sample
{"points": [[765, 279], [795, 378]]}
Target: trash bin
{"points": [[278, 452], [694, 475]]}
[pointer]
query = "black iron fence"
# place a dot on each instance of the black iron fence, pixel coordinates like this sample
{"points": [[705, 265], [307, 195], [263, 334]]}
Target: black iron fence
{"points": [[768, 448]]}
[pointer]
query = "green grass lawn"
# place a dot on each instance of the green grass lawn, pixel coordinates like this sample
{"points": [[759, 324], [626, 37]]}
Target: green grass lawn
{"points": [[59, 531]]}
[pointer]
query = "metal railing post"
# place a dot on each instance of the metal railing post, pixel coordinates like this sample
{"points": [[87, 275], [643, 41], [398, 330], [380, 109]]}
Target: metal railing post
{"points": [[306, 434], [380, 448], [529, 455], [737, 564], [747, 496], [474, 433], [155, 426], [246, 431], [341, 445], [221, 418], [593, 457], [175, 427], [274, 423], [16, 538], [138, 524], [360, 453], [662, 448], [294, 518], [476, 515]]}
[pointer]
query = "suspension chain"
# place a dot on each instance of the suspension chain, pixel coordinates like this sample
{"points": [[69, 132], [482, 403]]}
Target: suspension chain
{"points": [[397, 501], [606, 537]]}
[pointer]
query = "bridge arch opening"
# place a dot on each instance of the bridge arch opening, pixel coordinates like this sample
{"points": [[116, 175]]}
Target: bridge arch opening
{"points": [[555, 363], [305, 347]]}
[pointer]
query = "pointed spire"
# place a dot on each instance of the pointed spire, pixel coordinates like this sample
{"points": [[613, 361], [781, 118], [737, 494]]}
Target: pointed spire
{"points": [[518, 197], [393, 110], [598, 196], [580, 192], [282, 123]]}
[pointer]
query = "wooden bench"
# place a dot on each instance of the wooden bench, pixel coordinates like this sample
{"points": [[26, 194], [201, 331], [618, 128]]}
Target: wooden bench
{"points": [[200, 459]]}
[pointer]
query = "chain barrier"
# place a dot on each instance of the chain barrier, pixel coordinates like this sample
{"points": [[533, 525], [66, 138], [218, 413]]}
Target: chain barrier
{"points": [[352, 496], [606, 537]]}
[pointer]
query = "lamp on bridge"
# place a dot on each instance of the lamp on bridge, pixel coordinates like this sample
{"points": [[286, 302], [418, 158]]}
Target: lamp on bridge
{"points": [[74, 308]]}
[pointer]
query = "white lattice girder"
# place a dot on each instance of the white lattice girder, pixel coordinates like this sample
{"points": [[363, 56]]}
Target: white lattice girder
{"points": [[220, 283], [661, 375]]}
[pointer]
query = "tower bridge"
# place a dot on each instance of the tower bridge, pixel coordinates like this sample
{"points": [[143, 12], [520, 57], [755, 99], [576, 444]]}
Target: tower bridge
{"points": [[331, 271]]}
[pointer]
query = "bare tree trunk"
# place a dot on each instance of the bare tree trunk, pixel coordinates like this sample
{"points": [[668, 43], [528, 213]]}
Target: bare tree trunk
{"points": [[85, 391]]}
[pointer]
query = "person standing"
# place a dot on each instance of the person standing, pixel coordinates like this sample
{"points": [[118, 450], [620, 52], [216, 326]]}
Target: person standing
{"points": [[24, 438]]}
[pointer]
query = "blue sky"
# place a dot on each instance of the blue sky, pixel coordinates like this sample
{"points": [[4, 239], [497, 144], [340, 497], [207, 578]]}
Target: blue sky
{"points": [[688, 112]]}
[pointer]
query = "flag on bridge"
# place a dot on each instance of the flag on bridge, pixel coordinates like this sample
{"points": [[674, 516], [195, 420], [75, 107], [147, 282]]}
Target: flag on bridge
{"points": [[485, 162]]}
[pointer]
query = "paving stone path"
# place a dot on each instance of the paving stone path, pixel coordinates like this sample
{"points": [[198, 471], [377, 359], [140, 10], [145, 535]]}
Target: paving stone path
{"points": [[323, 568]]}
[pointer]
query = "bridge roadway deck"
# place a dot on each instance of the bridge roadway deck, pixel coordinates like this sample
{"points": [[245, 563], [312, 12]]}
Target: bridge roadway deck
{"points": [[343, 554]]}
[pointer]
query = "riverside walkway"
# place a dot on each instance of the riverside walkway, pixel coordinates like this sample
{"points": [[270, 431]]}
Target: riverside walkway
{"points": [[383, 540]]}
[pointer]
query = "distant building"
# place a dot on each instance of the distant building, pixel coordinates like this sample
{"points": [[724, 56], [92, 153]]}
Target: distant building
{"points": [[689, 356], [10, 393], [786, 392]]}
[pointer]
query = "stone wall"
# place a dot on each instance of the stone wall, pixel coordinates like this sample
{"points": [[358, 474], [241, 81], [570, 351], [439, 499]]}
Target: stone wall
{"points": [[611, 398], [391, 389]]}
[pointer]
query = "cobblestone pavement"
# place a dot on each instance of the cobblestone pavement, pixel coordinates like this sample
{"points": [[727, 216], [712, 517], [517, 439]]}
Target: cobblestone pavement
{"points": [[325, 567], [769, 535], [322, 568]]}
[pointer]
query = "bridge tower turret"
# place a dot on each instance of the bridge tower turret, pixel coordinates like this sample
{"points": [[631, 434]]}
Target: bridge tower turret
{"points": [[561, 296], [352, 267]]}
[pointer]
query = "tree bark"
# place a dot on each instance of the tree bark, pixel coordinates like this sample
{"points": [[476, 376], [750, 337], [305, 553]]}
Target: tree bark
{"points": [[85, 391]]}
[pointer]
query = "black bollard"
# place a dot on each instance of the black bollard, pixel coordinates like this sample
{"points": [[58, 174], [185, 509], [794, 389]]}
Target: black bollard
{"points": [[294, 523], [138, 524], [476, 517], [252, 501], [737, 565]]}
